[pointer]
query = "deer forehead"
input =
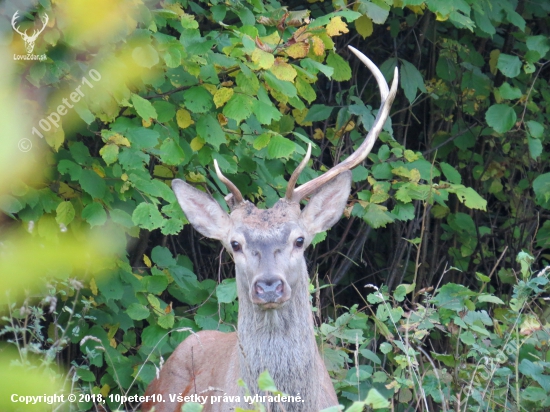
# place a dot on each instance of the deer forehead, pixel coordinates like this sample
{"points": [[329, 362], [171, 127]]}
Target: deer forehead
{"points": [[274, 225]]}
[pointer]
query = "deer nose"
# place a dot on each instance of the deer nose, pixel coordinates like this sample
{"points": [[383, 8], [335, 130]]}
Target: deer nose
{"points": [[270, 290]]}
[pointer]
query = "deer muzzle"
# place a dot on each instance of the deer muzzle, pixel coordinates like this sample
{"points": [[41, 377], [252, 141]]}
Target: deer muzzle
{"points": [[270, 293]]}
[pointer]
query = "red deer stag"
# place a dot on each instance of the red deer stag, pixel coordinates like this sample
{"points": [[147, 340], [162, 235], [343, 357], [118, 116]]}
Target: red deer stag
{"points": [[275, 323]]}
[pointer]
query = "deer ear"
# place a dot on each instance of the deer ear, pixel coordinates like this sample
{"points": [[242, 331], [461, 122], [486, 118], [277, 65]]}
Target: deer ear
{"points": [[327, 204], [202, 211]]}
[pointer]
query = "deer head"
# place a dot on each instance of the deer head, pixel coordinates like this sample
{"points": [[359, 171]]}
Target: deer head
{"points": [[29, 40], [268, 245]]}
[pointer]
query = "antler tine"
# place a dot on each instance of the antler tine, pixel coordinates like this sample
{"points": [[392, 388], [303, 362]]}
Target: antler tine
{"points": [[362, 152], [237, 196], [296, 174], [13, 19]]}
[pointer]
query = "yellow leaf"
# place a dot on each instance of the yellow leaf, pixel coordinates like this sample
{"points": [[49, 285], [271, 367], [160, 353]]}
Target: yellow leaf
{"points": [[196, 177], [364, 26], [105, 389], [147, 261], [55, 137], [318, 134], [183, 117], [93, 287], [99, 170], [124, 177], [299, 116], [210, 87], [112, 342], [493, 60], [222, 120], [350, 126], [146, 123], [441, 17], [222, 96], [65, 191], [263, 59], [318, 46], [228, 83], [336, 27], [298, 50], [162, 171], [283, 71], [197, 143], [119, 140]]}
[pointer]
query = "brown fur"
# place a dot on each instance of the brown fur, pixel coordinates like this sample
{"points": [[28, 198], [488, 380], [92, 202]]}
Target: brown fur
{"points": [[279, 339]]}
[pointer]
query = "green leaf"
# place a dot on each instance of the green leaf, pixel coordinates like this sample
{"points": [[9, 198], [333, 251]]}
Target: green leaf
{"points": [[342, 70], [156, 284], [121, 217], [266, 382], [162, 257], [469, 197], [165, 110], [10, 204], [192, 406], [198, 100], [411, 80], [535, 371], [377, 10], [144, 108], [508, 92], [318, 238], [137, 311], [265, 112], [318, 112], [450, 173], [67, 166], [282, 86], [64, 213], [147, 216], [227, 291], [209, 129], [403, 211], [315, 67], [85, 375], [535, 128], [490, 298], [535, 147], [171, 153], [239, 107], [109, 153], [280, 146], [509, 65], [540, 44], [541, 187], [501, 117], [377, 216], [94, 214], [145, 56], [92, 183]]}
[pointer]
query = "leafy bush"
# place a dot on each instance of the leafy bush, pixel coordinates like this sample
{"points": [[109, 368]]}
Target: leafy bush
{"points": [[153, 91]]}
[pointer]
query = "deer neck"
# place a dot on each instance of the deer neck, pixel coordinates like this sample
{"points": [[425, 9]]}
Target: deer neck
{"points": [[281, 341]]}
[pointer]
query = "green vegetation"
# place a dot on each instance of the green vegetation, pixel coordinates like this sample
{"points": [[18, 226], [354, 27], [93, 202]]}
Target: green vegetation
{"points": [[447, 222]]}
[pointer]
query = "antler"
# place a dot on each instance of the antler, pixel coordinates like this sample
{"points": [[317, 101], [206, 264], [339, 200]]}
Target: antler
{"points": [[388, 95], [237, 196], [44, 18], [14, 18]]}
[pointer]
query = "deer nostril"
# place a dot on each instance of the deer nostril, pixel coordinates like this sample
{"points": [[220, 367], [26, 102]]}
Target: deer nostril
{"points": [[269, 290]]}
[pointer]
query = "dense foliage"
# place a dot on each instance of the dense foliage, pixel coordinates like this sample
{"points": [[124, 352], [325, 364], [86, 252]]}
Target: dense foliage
{"points": [[449, 218]]}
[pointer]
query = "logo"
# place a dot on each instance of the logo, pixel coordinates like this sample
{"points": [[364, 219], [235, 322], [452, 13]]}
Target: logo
{"points": [[29, 39]]}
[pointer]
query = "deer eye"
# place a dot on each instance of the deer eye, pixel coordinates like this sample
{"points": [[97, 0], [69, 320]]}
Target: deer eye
{"points": [[299, 242], [236, 246]]}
